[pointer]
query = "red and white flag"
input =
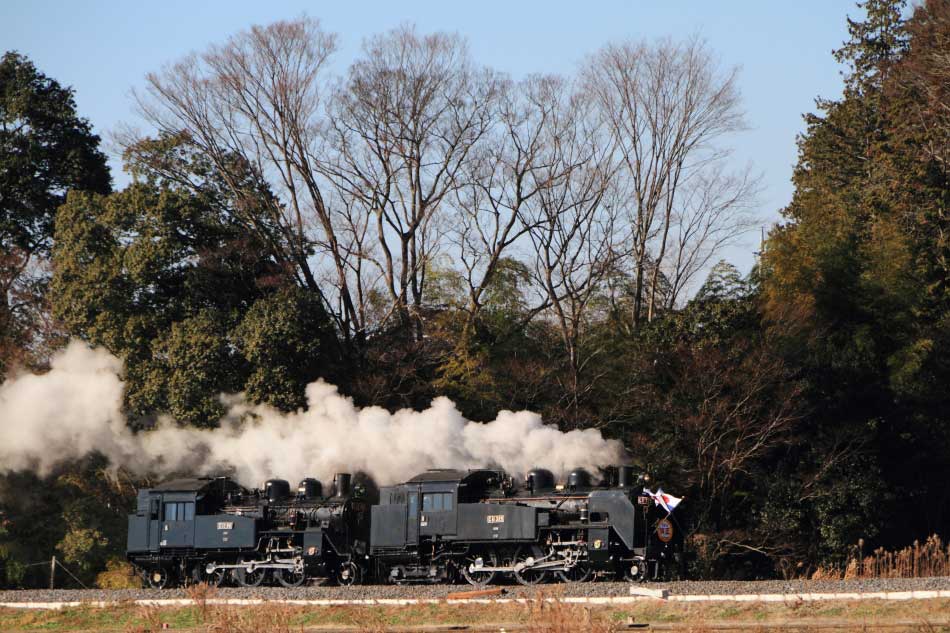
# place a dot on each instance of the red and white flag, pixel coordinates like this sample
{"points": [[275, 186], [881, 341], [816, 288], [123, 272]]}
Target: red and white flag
{"points": [[666, 501]]}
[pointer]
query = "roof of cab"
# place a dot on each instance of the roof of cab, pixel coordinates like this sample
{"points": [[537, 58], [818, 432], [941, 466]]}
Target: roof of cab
{"points": [[438, 474], [184, 485], [449, 475]]}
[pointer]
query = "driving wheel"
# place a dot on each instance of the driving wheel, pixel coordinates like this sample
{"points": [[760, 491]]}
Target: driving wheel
{"points": [[479, 578], [528, 576], [247, 578]]}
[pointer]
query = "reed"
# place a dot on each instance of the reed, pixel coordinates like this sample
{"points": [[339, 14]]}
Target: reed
{"points": [[918, 560]]}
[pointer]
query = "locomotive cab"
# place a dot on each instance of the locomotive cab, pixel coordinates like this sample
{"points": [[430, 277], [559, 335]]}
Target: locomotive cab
{"points": [[175, 518]]}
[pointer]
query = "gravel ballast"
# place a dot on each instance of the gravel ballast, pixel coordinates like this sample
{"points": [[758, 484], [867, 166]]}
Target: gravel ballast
{"points": [[595, 589]]}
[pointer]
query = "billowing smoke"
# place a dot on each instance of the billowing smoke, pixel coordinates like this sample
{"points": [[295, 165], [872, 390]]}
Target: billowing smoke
{"points": [[75, 409]]}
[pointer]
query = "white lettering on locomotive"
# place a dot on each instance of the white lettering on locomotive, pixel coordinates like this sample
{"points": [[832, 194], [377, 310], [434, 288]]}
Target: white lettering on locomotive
{"points": [[496, 518]]}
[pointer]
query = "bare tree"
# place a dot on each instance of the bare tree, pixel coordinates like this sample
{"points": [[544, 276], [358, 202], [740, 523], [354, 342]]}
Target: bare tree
{"points": [[573, 226], [417, 152], [253, 108], [714, 210], [736, 412], [402, 128], [517, 162], [665, 106]]}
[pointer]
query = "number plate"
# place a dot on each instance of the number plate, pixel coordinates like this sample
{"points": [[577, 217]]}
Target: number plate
{"points": [[496, 518], [225, 525]]}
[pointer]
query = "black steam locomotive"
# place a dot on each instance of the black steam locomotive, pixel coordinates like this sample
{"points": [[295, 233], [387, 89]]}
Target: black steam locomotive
{"points": [[440, 526], [213, 530]]}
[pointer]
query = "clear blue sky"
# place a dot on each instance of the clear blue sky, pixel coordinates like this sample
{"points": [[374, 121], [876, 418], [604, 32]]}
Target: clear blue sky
{"points": [[103, 49]]}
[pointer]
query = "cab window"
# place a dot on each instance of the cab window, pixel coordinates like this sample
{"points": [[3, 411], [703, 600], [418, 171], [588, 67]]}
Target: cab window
{"points": [[437, 502], [180, 511]]}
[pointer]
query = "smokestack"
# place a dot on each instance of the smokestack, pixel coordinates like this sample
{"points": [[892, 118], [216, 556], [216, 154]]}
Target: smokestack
{"points": [[341, 484], [625, 477]]}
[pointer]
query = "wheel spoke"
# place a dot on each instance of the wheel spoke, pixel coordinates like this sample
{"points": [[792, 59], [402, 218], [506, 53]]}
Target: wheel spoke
{"points": [[290, 578], [215, 578], [635, 571], [157, 578], [479, 578], [247, 578], [580, 572], [348, 574], [528, 576]]}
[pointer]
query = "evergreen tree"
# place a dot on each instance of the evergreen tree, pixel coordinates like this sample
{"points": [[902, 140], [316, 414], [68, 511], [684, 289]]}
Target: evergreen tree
{"points": [[46, 149], [844, 289]]}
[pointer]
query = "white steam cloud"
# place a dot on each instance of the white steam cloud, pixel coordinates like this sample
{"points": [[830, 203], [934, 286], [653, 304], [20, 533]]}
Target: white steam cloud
{"points": [[75, 409]]}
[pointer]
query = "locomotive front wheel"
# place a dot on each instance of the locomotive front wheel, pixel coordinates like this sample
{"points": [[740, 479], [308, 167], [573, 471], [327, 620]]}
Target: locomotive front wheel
{"points": [[635, 570], [290, 578], [247, 578], [479, 578], [528, 576], [578, 573], [158, 578]]}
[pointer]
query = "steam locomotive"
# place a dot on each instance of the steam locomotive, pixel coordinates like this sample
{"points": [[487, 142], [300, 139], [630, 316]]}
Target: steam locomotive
{"points": [[213, 530], [440, 526]]}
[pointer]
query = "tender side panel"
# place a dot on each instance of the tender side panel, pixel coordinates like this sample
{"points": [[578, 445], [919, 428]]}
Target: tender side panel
{"points": [[496, 522], [224, 531]]}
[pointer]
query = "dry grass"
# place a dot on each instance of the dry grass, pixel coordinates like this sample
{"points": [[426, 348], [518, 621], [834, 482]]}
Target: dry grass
{"points": [[538, 616], [920, 560], [200, 593], [275, 619], [555, 616], [147, 619]]}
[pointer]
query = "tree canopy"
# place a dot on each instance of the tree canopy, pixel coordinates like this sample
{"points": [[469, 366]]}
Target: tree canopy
{"points": [[46, 149]]}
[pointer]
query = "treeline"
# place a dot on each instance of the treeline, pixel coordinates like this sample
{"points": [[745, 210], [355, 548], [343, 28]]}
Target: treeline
{"points": [[424, 226]]}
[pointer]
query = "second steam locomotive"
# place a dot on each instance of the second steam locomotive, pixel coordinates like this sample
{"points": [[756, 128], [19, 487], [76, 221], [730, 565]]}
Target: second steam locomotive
{"points": [[440, 526]]}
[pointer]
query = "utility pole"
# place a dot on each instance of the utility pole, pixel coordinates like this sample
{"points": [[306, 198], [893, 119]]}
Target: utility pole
{"points": [[52, 572]]}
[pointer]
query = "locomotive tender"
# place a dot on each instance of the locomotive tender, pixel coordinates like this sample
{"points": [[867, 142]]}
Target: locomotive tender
{"points": [[440, 526]]}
